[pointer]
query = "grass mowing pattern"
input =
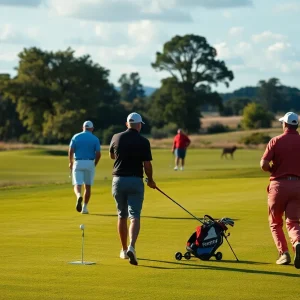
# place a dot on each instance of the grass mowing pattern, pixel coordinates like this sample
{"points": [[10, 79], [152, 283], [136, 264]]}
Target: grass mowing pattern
{"points": [[40, 232]]}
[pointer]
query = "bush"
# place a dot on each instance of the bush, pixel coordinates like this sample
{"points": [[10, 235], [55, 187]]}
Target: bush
{"points": [[256, 139], [217, 128], [164, 132], [255, 116]]}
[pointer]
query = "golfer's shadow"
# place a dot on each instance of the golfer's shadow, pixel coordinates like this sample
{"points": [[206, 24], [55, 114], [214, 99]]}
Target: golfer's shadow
{"points": [[185, 265]]}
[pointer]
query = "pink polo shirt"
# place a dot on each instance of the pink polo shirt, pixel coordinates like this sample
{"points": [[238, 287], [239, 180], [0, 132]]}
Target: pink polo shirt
{"points": [[284, 152]]}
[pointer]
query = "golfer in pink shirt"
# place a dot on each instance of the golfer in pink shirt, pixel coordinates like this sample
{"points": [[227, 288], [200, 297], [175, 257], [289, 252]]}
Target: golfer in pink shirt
{"points": [[281, 159]]}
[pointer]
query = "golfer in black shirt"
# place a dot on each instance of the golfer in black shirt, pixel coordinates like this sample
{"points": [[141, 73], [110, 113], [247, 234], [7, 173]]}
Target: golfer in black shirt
{"points": [[132, 155]]}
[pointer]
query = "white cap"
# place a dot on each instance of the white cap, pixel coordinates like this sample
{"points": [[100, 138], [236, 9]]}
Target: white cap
{"points": [[290, 118], [134, 118], [88, 124]]}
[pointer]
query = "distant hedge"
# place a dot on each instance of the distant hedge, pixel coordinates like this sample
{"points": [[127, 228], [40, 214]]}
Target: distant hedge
{"points": [[255, 139]]}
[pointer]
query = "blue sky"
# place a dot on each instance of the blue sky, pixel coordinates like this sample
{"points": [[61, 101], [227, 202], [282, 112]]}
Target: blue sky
{"points": [[258, 39]]}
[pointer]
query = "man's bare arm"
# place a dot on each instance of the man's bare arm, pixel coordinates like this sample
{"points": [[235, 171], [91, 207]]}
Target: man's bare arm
{"points": [[265, 165], [71, 157], [97, 158], [112, 155], [149, 173]]}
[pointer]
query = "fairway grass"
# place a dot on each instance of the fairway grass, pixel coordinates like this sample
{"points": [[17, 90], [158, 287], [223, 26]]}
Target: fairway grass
{"points": [[41, 235]]}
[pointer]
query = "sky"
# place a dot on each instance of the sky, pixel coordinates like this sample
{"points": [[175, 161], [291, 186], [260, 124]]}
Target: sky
{"points": [[257, 39]]}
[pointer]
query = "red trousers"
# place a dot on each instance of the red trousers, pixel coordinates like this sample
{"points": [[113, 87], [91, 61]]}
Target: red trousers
{"points": [[284, 199]]}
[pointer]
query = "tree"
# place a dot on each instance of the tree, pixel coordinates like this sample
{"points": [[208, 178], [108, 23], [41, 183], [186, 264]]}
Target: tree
{"points": [[270, 94], [168, 104], [255, 116], [192, 63], [131, 88], [55, 92], [192, 60], [10, 125], [235, 106]]}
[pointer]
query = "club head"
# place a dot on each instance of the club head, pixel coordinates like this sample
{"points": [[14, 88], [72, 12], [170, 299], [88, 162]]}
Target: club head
{"points": [[227, 221]]}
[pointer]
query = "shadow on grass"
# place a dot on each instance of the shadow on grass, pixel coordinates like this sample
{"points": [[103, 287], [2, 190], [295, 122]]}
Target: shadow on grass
{"points": [[155, 217], [217, 268]]}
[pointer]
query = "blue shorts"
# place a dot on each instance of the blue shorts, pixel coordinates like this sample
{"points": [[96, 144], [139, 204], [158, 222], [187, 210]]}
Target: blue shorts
{"points": [[128, 193], [180, 153]]}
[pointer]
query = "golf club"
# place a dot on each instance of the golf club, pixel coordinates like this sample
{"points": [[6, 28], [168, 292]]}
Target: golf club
{"points": [[230, 247], [146, 180]]}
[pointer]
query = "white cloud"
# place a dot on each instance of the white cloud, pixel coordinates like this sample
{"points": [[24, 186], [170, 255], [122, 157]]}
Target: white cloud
{"points": [[223, 50], [236, 31], [9, 35], [267, 36], [133, 34], [278, 47], [119, 10], [288, 7], [146, 32], [243, 47]]}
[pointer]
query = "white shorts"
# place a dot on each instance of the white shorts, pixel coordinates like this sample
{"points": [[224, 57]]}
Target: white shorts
{"points": [[83, 172]]}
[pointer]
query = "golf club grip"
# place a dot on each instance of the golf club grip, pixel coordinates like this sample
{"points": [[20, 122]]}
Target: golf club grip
{"points": [[209, 217]]}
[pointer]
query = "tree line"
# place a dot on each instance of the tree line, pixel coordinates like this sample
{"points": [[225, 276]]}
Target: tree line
{"points": [[53, 92]]}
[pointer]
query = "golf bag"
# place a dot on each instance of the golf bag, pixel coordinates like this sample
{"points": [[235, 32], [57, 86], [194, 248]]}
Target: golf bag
{"points": [[208, 237]]}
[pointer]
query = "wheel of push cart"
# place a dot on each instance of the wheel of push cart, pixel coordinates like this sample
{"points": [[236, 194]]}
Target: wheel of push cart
{"points": [[219, 255], [178, 255], [187, 255]]}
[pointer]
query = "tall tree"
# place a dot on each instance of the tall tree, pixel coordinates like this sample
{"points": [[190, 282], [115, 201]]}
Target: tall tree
{"points": [[192, 62], [55, 91], [270, 94], [131, 87]]}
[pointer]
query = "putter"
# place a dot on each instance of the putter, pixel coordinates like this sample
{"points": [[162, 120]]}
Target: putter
{"points": [[157, 188]]}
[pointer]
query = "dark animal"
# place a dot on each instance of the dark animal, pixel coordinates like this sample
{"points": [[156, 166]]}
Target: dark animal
{"points": [[228, 150]]}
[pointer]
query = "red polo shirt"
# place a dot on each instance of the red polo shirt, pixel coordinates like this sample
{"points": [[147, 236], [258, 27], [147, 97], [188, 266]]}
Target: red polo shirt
{"points": [[284, 152], [181, 141]]}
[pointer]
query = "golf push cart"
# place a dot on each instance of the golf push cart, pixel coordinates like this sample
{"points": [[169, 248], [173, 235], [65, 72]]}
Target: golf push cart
{"points": [[207, 238]]}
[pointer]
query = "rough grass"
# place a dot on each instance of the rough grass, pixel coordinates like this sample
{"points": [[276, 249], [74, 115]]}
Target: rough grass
{"points": [[209, 141], [40, 232]]}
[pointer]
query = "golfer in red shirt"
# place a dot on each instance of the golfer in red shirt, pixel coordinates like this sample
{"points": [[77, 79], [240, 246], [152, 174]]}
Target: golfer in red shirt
{"points": [[281, 159], [180, 144]]}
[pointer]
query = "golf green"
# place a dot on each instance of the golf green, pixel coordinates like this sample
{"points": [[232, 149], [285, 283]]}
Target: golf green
{"points": [[40, 232]]}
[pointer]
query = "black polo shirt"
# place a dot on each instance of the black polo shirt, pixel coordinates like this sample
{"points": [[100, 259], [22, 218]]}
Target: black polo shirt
{"points": [[130, 150]]}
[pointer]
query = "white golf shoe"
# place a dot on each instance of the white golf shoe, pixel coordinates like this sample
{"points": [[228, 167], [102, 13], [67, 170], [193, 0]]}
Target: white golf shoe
{"points": [[123, 254], [132, 256], [84, 210], [284, 259], [175, 168]]}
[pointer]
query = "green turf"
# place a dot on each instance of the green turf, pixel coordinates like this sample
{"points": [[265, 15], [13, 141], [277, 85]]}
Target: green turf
{"points": [[40, 232]]}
